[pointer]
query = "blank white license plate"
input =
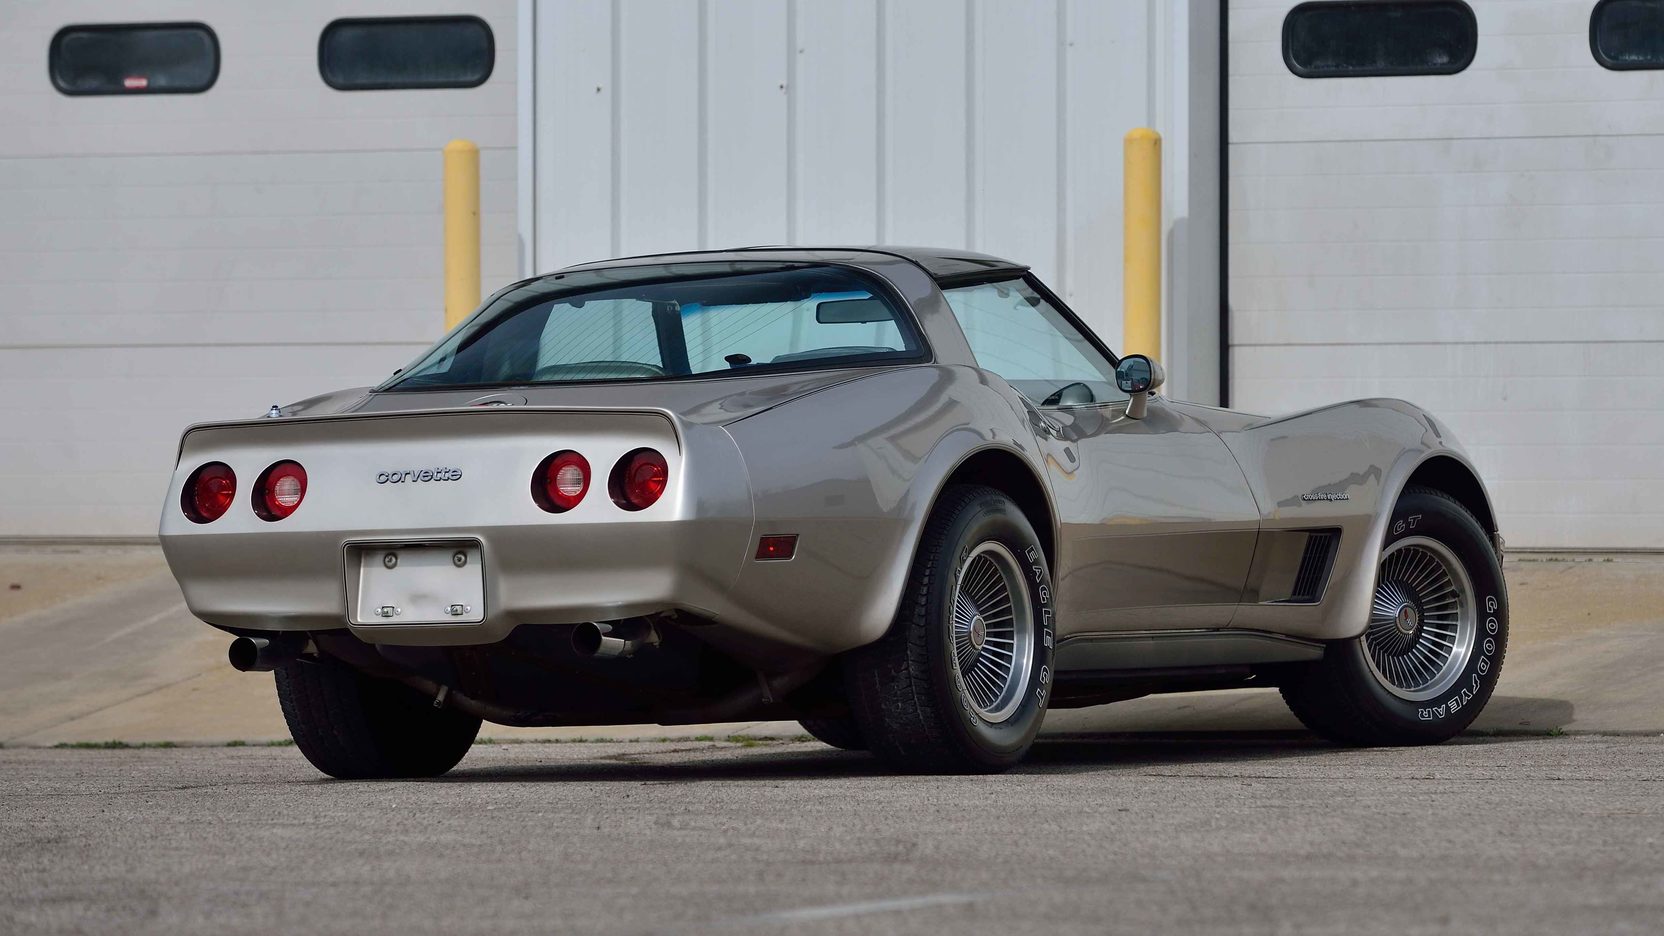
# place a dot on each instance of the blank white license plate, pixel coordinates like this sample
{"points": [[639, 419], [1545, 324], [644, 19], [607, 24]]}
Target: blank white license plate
{"points": [[434, 584]]}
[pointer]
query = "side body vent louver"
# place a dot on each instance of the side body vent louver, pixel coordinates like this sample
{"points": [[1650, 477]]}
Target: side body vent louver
{"points": [[1313, 575]]}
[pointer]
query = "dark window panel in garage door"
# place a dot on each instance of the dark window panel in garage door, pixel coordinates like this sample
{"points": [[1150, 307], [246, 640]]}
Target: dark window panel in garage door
{"points": [[1364, 38], [406, 52], [134, 58], [1625, 35]]}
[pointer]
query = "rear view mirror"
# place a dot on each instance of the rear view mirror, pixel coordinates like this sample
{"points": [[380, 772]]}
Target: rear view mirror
{"points": [[1136, 375], [852, 312]]}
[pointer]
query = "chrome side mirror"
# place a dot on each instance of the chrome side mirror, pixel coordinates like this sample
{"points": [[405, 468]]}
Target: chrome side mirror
{"points": [[1137, 376]]}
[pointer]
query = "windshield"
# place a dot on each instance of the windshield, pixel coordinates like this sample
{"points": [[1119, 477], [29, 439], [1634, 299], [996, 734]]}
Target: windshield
{"points": [[720, 323]]}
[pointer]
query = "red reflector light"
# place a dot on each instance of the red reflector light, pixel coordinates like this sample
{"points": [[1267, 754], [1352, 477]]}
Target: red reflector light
{"points": [[639, 479], [209, 492], [560, 481], [279, 490], [783, 546]]}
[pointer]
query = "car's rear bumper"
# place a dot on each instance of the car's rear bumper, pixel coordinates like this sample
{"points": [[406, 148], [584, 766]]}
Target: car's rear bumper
{"points": [[595, 562], [271, 581]]}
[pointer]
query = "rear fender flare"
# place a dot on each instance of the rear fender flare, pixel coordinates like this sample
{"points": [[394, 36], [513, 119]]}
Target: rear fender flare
{"points": [[934, 475]]}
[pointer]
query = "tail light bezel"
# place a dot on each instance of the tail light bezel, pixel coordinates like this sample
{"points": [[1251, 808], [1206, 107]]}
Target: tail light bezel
{"points": [[629, 489], [546, 494], [264, 497], [192, 501]]}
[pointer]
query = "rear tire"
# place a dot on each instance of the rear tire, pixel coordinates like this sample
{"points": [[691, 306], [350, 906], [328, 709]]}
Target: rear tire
{"points": [[961, 681], [1432, 651], [355, 727], [838, 732]]}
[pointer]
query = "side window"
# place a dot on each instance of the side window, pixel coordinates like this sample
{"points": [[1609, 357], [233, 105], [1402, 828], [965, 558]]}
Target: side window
{"points": [[1628, 34], [1017, 334], [1363, 38]]}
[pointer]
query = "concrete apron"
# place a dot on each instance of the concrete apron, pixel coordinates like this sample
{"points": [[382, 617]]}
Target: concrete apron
{"points": [[100, 648]]}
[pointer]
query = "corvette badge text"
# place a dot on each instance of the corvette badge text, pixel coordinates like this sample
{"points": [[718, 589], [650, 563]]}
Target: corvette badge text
{"points": [[419, 474]]}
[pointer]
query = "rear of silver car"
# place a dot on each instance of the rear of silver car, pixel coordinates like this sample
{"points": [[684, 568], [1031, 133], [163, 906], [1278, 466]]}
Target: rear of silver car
{"points": [[428, 528]]}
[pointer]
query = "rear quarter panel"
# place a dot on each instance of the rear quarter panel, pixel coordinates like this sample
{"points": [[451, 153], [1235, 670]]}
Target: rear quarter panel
{"points": [[854, 471]]}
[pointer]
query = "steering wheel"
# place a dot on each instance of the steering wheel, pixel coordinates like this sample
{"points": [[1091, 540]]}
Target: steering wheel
{"points": [[1070, 394]]}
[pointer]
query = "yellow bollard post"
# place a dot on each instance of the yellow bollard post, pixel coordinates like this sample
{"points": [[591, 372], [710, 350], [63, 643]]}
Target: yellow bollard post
{"points": [[1141, 246], [462, 230]]}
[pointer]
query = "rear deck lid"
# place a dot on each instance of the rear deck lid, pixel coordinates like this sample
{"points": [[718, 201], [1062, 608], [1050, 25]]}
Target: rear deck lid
{"points": [[421, 470]]}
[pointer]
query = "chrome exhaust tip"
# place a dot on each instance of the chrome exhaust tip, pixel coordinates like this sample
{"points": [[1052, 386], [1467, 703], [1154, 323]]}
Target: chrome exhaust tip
{"points": [[603, 641], [260, 655]]}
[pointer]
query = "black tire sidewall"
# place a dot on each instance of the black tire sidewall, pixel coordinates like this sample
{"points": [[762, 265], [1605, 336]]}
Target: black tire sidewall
{"points": [[355, 727], [1424, 514], [991, 517], [416, 738], [841, 733]]}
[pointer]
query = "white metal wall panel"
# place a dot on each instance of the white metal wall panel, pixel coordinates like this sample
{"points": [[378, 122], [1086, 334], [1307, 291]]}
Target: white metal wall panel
{"points": [[746, 152], [836, 70], [1016, 133], [168, 259], [925, 147], [1103, 78], [572, 183], [976, 124], [1485, 244], [658, 132]]}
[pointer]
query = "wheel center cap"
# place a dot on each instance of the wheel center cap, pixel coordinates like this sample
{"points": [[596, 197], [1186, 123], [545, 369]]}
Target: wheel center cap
{"points": [[979, 632], [1408, 619]]}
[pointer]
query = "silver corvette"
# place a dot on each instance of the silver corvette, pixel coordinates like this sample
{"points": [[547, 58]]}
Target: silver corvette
{"points": [[902, 496]]}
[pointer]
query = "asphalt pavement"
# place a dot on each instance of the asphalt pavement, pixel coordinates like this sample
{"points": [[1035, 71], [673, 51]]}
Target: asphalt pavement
{"points": [[1193, 813], [1245, 835]]}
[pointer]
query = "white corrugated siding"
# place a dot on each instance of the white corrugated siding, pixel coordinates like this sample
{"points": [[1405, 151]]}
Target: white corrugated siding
{"points": [[981, 124], [173, 258], [1486, 244]]}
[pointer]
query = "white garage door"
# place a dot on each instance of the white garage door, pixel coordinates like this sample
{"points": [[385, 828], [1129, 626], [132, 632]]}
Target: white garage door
{"points": [[1489, 244], [168, 258], [989, 125]]}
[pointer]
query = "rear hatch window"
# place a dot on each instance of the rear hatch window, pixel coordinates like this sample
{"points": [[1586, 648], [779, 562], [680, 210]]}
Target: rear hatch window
{"points": [[724, 319]]}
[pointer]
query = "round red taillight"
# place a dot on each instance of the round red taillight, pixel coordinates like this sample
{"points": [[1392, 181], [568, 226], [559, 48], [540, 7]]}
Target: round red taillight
{"points": [[639, 479], [279, 490], [209, 492], [560, 481]]}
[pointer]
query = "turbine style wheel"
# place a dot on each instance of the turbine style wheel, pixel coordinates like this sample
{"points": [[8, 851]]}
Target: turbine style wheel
{"points": [[1422, 623], [1432, 650], [961, 681], [993, 628]]}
